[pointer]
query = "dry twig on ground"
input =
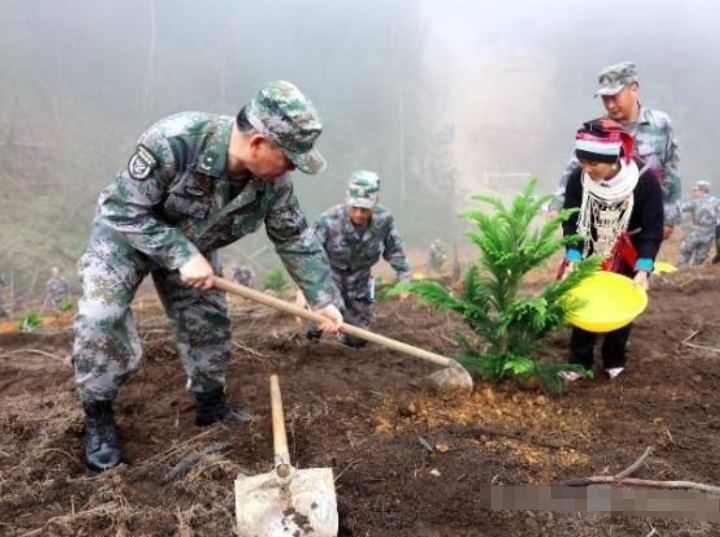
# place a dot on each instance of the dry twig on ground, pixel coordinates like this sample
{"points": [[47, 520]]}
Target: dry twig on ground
{"points": [[622, 479]]}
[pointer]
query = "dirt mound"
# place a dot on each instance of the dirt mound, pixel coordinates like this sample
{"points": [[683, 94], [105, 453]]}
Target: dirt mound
{"points": [[406, 463]]}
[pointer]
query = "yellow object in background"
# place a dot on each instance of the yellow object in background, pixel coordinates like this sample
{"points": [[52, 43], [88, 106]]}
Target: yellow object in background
{"points": [[663, 267], [611, 302]]}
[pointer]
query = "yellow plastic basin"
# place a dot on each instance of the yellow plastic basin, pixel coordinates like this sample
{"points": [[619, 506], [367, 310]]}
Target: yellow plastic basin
{"points": [[611, 302], [662, 267]]}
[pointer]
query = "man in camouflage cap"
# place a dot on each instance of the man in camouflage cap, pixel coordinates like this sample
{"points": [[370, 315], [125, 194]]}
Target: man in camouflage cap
{"points": [[699, 238], [655, 141], [355, 234], [194, 183]]}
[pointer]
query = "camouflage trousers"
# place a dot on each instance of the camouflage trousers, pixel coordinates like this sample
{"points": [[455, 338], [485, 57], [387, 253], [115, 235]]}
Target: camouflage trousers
{"points": [[697, 241], [358, 299], [107, 349]]}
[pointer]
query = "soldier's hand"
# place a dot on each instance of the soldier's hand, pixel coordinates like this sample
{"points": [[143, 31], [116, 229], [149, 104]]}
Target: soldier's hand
{"points": [[300, 303], [334, 319], [668, 231], [642, 279], [551, 214], [403, 296], [197, 272]]}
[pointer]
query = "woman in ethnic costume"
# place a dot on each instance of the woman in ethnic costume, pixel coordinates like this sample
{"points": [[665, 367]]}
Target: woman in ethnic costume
{"points": [[621, 218]]}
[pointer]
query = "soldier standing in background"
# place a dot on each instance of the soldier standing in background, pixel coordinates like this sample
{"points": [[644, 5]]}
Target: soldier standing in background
{"points": [[436, 256], [655, 141], [355, 234], [195, 182], [244, 275], [56, 290], [705, 211], [3, 313]]}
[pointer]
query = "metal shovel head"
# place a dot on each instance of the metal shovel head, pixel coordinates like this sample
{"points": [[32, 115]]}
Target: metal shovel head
{"points": [[302, 504]]}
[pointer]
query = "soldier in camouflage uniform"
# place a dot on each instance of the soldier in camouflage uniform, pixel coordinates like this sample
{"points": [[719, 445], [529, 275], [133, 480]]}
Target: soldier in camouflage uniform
{"points": [[56, 289], [244, 275], [655, 141], [355, 234], [194, 183], [436, 256], [705, 211], [3, 313]]}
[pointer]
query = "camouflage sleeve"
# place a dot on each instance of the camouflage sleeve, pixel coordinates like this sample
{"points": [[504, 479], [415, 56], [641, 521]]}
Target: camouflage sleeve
{"points": [[687, 206], [394, 254], [127, 206], [556, 204], [672, 185], [299, 248], [321, 230]]}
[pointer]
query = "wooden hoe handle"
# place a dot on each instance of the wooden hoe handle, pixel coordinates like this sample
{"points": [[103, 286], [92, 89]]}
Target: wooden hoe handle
{"points": [[276, 303]]}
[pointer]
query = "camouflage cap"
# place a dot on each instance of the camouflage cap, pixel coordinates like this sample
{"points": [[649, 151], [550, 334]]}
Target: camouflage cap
{"points": [[703, 185], [363, 190], [614, 78], [280, 111]]}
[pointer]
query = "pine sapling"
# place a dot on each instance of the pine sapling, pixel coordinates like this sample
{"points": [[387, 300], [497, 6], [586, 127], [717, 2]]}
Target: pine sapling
{"points": [[510, 327]]}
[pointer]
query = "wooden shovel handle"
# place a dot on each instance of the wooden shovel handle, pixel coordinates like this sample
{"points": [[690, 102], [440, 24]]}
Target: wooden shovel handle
{"points": [[282, 455], [262, 298]]}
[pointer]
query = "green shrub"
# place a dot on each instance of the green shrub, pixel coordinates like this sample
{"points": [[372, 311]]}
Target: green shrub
{"points": [[276, 280], [65, 304], [29, 322], [510, 328]]}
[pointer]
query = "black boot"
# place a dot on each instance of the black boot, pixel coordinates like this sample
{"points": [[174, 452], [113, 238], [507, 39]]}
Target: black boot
{"points": [[102, 442], [211, 407], [313, 332], [352, 341]]}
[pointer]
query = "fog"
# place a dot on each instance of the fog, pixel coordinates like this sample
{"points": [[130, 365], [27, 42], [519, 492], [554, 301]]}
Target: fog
{"points": [[444, 99]]}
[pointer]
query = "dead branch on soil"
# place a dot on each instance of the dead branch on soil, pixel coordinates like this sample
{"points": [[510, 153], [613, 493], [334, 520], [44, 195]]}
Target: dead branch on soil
{"points": [[622, 479], [634, 467], [177, 448], [186, 464], [687, 339], [32, 351], [215, 461], [238, 344], [347, 467], [686, 343], [111, 509], [702, 347], [154, 331], [644, 483]]}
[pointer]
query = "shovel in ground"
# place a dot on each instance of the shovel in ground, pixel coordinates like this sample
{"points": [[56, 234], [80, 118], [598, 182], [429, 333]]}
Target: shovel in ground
{"points": [[454, 378], [286, 502]]}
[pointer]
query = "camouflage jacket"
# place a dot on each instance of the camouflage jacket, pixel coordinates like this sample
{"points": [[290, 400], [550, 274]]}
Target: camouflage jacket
{"points": [[353, 251], [175, 199], [656, 145], [56, 290], [705, 211]]}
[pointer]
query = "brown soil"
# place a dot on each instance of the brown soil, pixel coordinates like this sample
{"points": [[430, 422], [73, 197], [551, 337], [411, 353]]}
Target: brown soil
{"points": [[363, 413]]}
